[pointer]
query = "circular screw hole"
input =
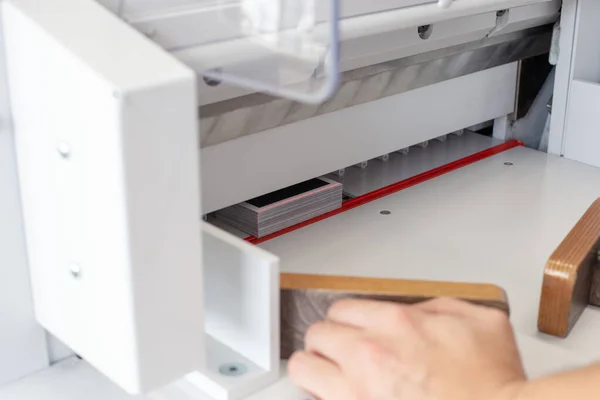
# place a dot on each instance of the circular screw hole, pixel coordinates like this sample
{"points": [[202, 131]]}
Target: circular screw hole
{"points": [[233, 369], [385, 212], [501, 13], [425, 31], [508, 163], [212, 82]]}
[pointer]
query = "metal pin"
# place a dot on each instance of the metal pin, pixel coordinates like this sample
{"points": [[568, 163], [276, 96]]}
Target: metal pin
{"points": [[442, 138], [341, 172], [384, 157], [64, 149], [75, 270], [424, 144], [362, 165], [404, 151]]}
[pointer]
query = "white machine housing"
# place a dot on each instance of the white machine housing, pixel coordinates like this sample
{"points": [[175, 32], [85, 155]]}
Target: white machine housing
{"points": [[114, 172]]}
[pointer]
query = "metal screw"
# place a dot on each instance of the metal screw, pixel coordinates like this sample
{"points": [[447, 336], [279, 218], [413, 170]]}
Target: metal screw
{"points": [[501, 13], [64, 149], [508, 163], [385, 212], [341, 172], [233, 369], [404, 151], [75, 270]]}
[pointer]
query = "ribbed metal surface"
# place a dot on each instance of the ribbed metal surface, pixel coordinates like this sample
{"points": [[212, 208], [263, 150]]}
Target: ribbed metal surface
{"points": [[399, 167], [253, 113]]}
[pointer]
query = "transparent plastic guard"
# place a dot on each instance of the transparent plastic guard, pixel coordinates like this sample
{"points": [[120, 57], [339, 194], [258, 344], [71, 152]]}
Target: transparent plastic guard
{"points": [[287, 48]]}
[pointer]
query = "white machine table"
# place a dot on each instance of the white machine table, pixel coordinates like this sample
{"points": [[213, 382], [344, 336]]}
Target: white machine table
{"points": [[486, 222]]}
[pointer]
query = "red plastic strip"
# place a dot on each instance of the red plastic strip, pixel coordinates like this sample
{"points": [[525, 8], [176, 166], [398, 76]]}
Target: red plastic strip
{"points": [[394, 188]]}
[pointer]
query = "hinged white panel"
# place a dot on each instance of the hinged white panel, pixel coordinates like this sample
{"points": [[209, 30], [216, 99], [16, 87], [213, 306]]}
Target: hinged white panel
{"points": [[106, 138]]}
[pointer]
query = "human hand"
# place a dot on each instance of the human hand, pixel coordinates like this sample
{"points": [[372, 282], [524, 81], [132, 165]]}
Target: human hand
{"points": [[442, 349]]}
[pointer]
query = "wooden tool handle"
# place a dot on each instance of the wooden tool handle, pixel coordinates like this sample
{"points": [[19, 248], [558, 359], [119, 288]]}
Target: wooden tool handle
{"points": [[570, 276], [305, 299]]}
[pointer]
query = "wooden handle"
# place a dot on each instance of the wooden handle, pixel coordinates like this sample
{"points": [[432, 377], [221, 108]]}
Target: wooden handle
{"points": [[570, 276], [305, 299]]}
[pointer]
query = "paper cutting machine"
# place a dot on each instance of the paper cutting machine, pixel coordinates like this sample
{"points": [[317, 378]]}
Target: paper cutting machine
{"points": [[124, 122]]}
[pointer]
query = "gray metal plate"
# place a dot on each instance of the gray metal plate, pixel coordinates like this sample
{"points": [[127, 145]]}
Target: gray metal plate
{"points": [[358, 181]]}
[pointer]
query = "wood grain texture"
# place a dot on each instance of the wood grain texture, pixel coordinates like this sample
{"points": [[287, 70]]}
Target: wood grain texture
{"points": [[305, 299], [568, 275]]}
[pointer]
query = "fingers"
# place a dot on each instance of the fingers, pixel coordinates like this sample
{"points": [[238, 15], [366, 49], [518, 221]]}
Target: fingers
{"points": [[331, 340], [372, 314], [446, 305], [455, 307], [317, 376]]}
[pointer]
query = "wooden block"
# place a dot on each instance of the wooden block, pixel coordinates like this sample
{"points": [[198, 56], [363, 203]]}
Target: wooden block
{"points": [[305, 299], [568, 276]]}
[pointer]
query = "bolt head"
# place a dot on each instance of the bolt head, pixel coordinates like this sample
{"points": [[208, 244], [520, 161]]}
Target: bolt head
{"points": [[233, 369]]}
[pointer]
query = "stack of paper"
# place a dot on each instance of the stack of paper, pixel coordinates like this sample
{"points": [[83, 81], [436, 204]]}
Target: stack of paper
{"points": [[283, 208]]}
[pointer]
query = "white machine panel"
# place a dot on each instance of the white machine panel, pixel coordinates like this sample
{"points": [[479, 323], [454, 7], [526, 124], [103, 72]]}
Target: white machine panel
{"points": [[581, 141], [241, 294], [22, 340], [106, 138]]}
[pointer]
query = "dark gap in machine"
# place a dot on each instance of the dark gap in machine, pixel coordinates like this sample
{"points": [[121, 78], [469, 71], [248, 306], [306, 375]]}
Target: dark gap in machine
{"points": [[286, 193]]}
